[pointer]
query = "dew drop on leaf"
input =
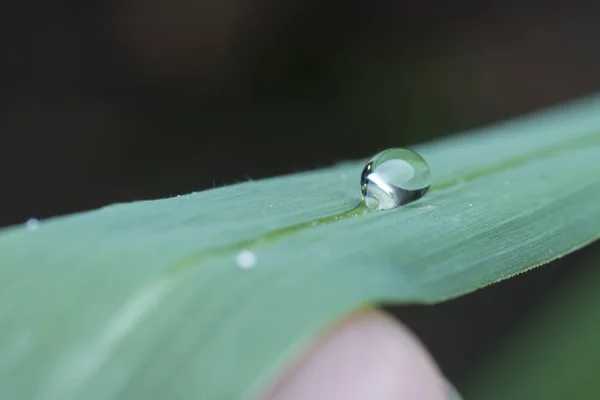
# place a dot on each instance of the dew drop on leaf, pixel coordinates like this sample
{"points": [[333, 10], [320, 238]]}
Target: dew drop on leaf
{"points": [[246, 259], [32, 224], [393, 178]]}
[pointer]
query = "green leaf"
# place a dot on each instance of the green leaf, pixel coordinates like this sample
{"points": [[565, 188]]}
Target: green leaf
{"points": [[146, 300]]}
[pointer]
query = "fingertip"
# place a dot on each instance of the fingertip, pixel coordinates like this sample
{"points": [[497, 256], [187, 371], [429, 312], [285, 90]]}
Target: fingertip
{"points": [[368, 356]]}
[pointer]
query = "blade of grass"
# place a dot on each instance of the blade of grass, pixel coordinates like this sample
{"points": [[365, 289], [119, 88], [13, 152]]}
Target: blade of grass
{"points": [[146, 300]]}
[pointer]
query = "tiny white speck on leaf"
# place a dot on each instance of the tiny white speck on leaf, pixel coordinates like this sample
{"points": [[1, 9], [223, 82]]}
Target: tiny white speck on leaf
{"points": [[470, 205], [246, 259], [32, 224]]}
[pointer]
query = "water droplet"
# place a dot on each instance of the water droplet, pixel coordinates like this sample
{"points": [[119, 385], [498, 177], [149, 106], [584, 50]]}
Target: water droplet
{"points": [[32, 224], [393, 178], [246, 259]]}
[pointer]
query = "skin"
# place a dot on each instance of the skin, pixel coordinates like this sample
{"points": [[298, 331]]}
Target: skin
{"points": [[370, 356]]}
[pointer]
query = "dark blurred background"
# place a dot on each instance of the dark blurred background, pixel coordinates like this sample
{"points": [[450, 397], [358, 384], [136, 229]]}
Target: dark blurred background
{"points": [[104, 102]]}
